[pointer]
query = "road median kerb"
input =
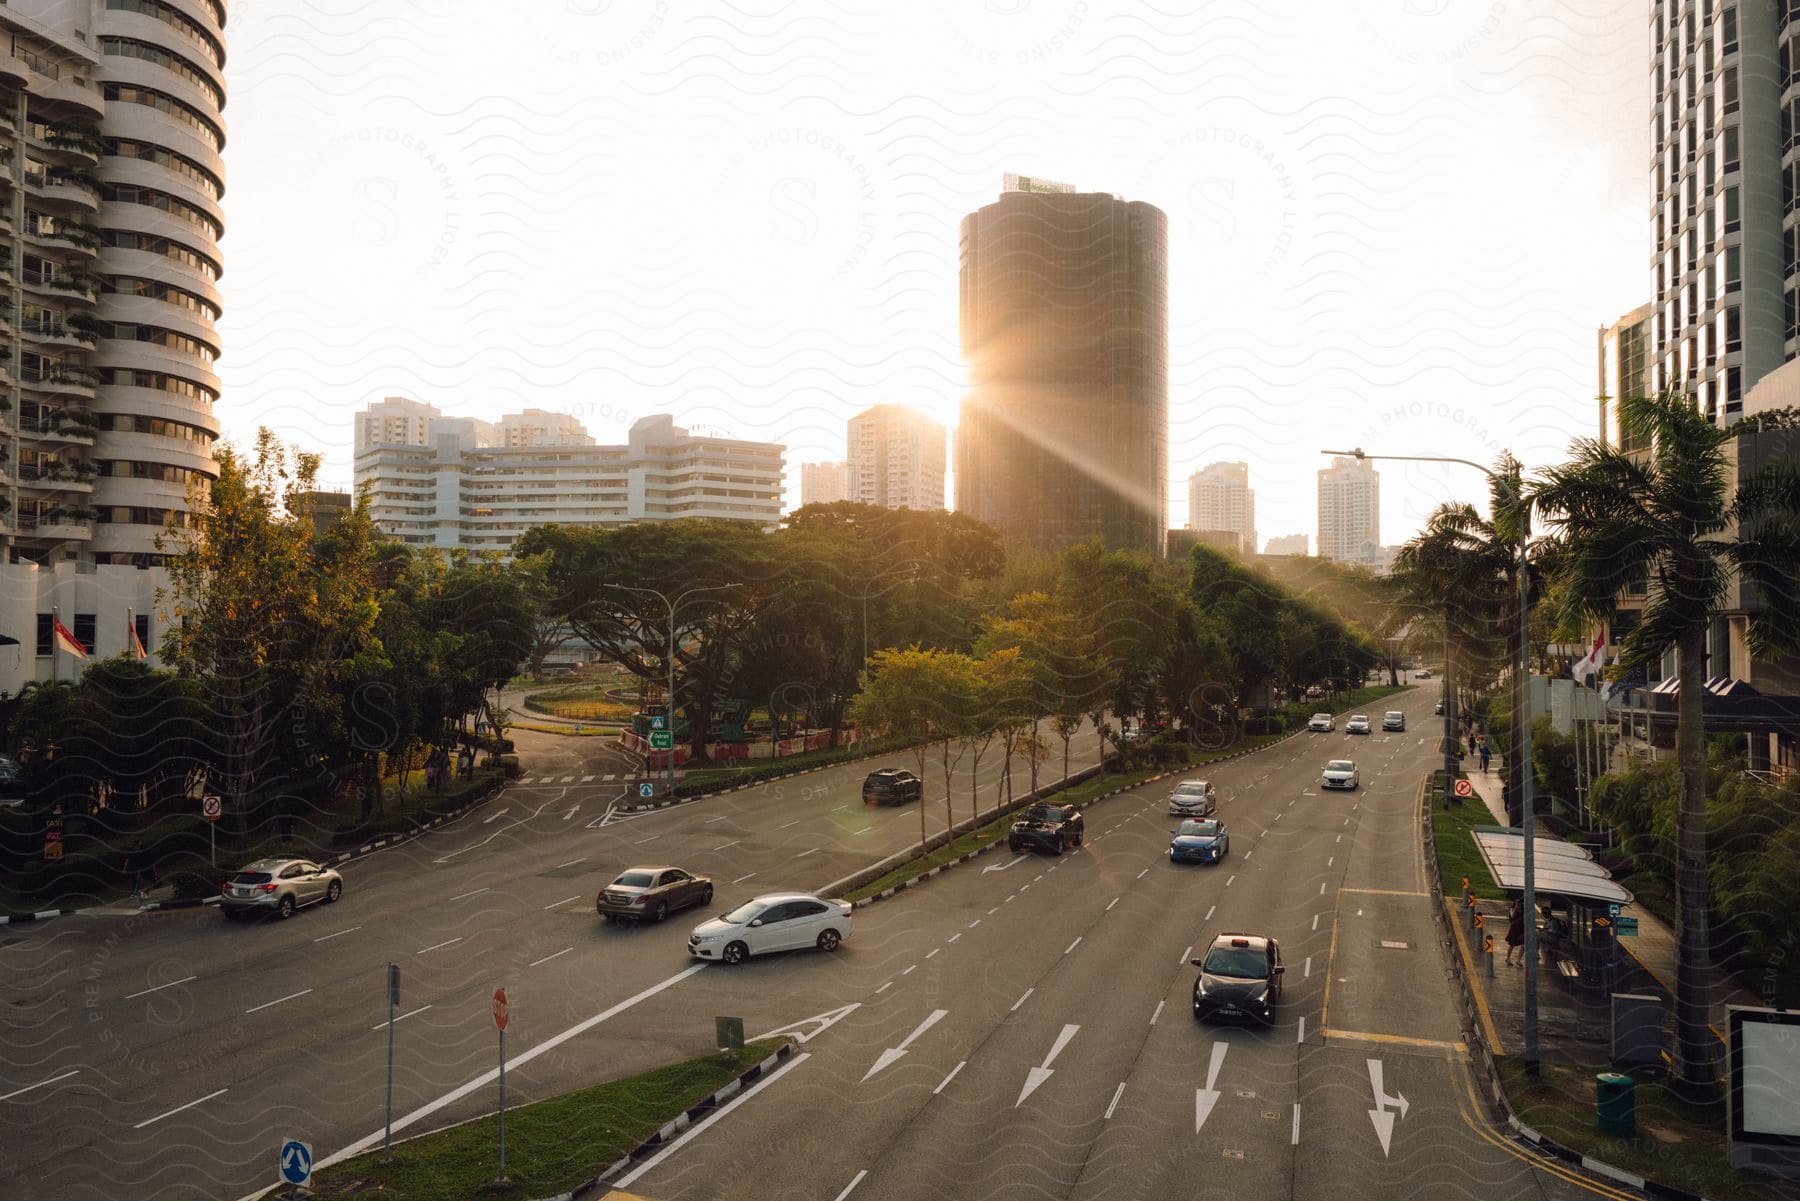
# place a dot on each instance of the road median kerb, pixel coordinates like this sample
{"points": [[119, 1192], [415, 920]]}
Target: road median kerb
{"points": [[786, 775], [1500, 1107], [672, 1128], [878, 870]]}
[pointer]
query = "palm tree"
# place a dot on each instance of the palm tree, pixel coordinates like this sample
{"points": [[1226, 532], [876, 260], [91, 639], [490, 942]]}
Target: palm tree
{"points": [[1666, 521]]}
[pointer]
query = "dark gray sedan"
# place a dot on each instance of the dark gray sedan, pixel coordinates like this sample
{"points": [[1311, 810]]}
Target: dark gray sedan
{"points": [[649, 894]]}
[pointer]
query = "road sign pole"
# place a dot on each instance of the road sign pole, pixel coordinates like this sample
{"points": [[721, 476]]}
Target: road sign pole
{"points": [[387, 1138], [502, 1105]]}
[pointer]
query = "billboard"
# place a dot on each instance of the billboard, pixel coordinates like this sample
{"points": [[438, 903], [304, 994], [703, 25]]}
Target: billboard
{"points": [[1764, 1047], [1028, 183]]}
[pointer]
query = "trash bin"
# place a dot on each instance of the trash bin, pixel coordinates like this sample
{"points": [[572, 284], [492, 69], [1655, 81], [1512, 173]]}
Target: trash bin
{"points": [[1614, 1104]]}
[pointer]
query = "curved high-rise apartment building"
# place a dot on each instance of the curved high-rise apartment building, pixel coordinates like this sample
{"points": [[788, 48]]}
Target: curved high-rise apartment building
{"points": [[1064, 434], [110, 187]]}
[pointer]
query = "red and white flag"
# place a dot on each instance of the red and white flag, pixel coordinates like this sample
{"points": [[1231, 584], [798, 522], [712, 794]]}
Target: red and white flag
{"points": [[1593, 663], [65, 640], [137, 646]]}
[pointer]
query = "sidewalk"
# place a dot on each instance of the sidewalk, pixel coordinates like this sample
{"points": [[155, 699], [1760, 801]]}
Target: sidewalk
{"points": [[1651, 953]]}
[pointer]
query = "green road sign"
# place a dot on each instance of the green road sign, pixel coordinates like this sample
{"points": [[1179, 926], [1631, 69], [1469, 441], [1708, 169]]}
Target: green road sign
{"points": [[1626, 927], [662, 740]]}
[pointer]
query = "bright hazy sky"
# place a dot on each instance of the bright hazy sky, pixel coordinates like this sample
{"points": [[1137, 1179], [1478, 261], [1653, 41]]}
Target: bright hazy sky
{"points": [[1393, 223]]}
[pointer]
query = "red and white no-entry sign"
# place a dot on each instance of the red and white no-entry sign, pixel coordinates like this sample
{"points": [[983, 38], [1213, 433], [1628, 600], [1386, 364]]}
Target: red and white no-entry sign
{"points": [[1464, 788], [500, 1009]]}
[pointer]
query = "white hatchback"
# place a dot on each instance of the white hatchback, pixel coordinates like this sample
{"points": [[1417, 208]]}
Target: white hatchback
{"points": [[777, 921]]}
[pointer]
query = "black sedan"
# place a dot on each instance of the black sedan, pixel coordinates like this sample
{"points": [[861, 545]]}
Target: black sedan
{"points": [[1240, 978], [1047, 827]]}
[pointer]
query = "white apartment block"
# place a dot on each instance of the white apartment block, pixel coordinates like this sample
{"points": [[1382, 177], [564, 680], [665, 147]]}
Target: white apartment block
{"points": [[1287, 544], [896, 458], [538, 427], [1220, 499], [1726, 258], [824, 483], [1350, 511], [460, 491]]}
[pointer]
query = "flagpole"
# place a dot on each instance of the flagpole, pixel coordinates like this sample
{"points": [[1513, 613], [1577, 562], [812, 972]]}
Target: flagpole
{"points": [[55, 620]]}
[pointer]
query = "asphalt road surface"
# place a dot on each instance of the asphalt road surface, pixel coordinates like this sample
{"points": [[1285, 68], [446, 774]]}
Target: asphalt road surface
{"points": [[1024, 1029], [167, 1054]]}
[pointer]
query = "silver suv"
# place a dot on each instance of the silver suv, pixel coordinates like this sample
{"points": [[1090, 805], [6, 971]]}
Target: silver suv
{"points": [[1193, 798], [278, 886]]}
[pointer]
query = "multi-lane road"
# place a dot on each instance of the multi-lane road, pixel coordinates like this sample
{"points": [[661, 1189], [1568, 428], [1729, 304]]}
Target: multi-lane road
{"points": [[1018, 1027], [167, 1054]]}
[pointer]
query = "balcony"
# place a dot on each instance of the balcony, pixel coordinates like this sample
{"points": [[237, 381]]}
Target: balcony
{"points": [[76, 428], [70, 192], [68, 525]]}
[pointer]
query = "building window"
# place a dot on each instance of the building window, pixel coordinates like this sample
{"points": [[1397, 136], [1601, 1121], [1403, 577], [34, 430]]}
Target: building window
{"points": [[1733, 217], [141, 623], [84, 630], [1729, 86], [45, 627], [1734, 268], [1728, 31], [1734, 329], [1732, 160]]}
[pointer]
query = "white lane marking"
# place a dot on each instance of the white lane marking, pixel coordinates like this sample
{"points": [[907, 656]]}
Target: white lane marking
{"points": [[564, 901], [1158, 1013], [1073, 945], [993, 911], [573, 810], [1037, 877], [932, 952], [461, 895], [402, 1017], [885, 987], [1206, 1098], [741, 879], [1302, 1037], [974, 923], [1295, 1141], [1140, 875], [640, 842], [1340, 838], [587, 779], [570, 863], [1043, 1071], [339, 934], [909, 970], [548, 958], [893, 1053], [611, 775], [278, 1000], [1249, 853], [1190, 950], [657, 1159], [709, 821], [804, 854], [159, 1117], [854, 1181], [1021, 1000], [159, 988], [949, 1078], [1307, 973], [1117, 1093], [1331, 861], [1111, 903], [954, 937], [728, 845], [1315, 921], [568, 779], [494, 817], [40, 1084], [1230, 879], [1321, 888], [840, 809], [795, 822], [486, 1078], [436, 945]]}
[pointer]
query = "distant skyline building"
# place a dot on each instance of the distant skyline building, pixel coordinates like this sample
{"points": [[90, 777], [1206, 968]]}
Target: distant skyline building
{"points": [[1287, 544], [1624, 368], [1220, 498], [461, 487], [1349, 511], [1063, 434], [824, 483], [896, 458]]}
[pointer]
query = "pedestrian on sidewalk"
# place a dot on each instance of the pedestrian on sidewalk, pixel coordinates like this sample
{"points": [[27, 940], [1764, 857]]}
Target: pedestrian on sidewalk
{"points": [[1515, 934], [1486, 754]]}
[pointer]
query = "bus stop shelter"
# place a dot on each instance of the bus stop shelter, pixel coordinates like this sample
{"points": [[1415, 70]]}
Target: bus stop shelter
{"points": [[1579, 901]]}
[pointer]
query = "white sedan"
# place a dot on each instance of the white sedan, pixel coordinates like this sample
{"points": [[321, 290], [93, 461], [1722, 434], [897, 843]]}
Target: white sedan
{"points": [[1322, 723], [777, 921], [1339, 773]]}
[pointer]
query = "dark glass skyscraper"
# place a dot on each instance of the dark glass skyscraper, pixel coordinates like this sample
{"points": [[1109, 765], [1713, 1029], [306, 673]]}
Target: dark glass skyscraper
{"points": [[1065, 324]]}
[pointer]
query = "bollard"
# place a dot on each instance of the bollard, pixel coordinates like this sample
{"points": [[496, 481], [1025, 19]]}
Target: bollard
{"points": [[1487, 948]]}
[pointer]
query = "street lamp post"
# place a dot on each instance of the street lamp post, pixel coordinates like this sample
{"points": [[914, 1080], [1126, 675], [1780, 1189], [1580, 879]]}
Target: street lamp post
{"points": [[1523, 767], [673, 605]]}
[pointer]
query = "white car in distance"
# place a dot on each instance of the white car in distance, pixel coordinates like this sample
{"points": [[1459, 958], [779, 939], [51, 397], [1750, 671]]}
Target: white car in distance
{"points": [[776, 921]]}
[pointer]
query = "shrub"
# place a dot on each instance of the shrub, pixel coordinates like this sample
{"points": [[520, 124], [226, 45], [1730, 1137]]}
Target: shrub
{"points": [[509, 765]]}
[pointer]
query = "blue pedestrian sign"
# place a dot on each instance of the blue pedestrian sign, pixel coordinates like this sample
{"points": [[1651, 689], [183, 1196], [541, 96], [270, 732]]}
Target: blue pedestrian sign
{"points": [[296, 1162], [645, 789], [658, 722]]}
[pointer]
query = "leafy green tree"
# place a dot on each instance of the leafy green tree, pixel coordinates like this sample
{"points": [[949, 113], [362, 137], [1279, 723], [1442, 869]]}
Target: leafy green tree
{"points": [[1668, 519], [923, 697]]}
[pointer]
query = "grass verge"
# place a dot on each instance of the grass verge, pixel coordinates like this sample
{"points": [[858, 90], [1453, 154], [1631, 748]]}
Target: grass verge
{"points": [[1677, 1144], [1079, 794], [1457, 855], [551, 1145]]}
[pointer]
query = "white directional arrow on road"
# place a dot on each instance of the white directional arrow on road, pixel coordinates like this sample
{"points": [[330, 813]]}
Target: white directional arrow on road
{"points": [[892, 1053], [807, 1029], [1042, 1072], [1206, 1098], [1384, 1121], [1000, 867]]}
